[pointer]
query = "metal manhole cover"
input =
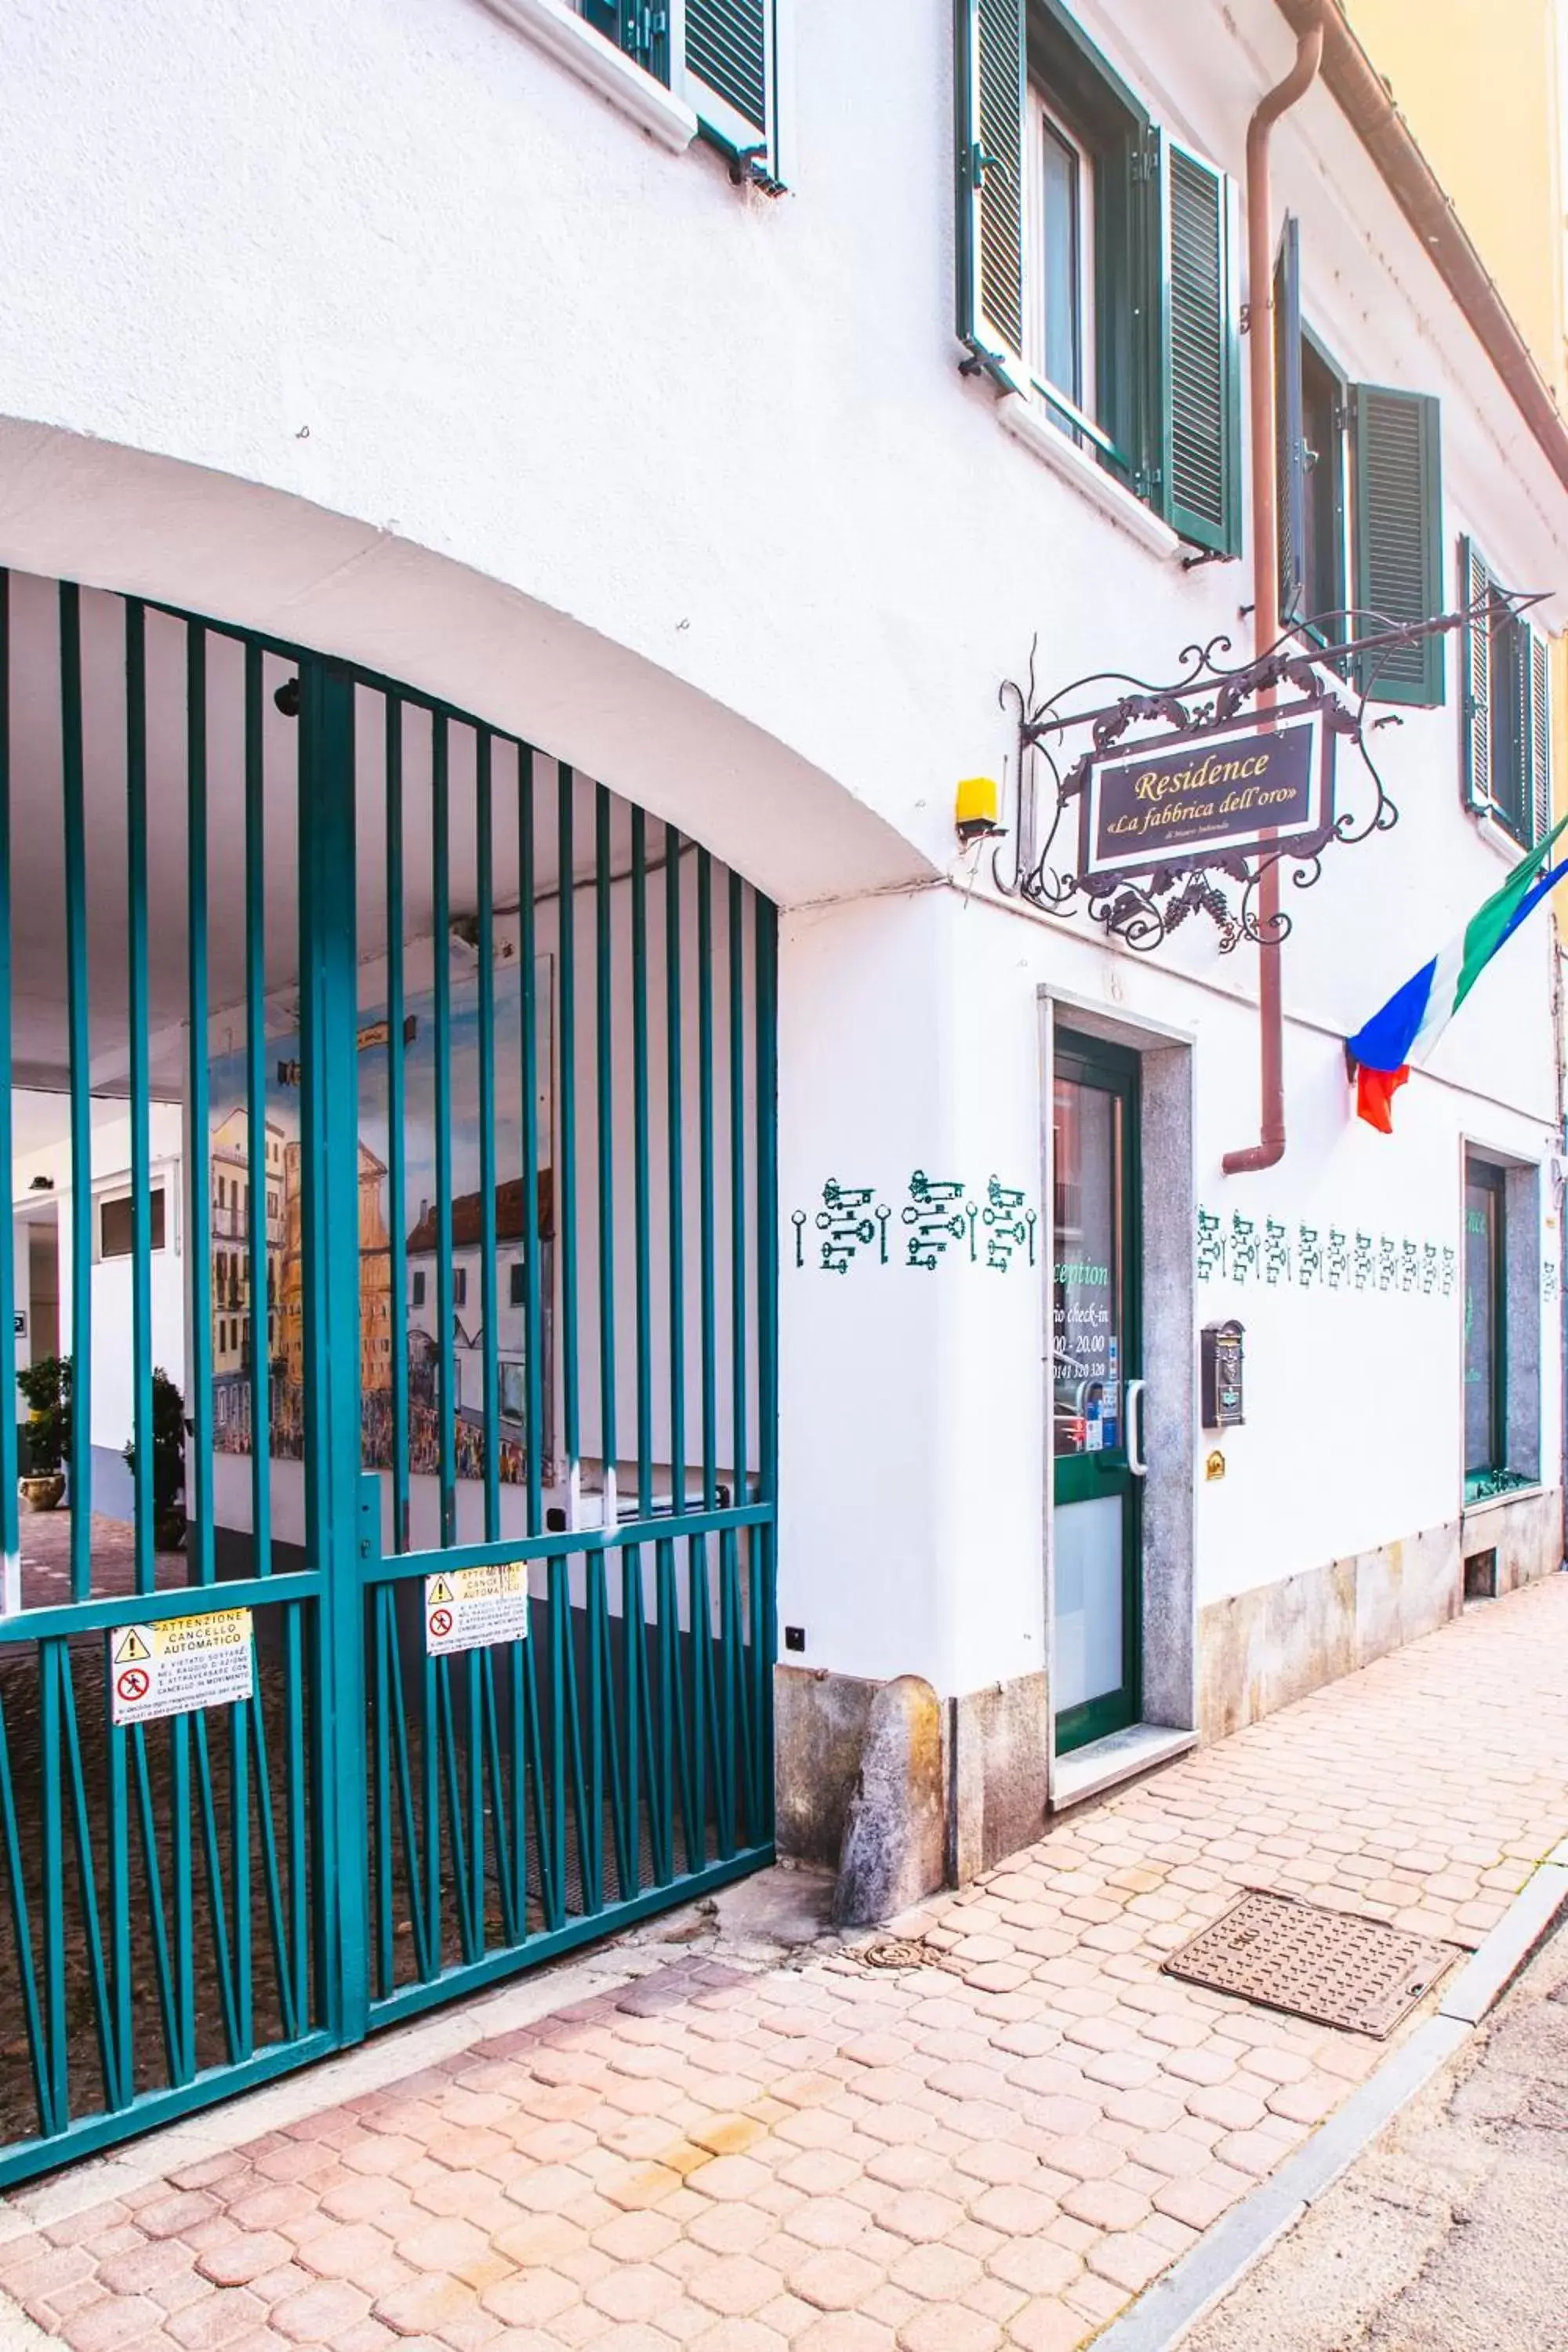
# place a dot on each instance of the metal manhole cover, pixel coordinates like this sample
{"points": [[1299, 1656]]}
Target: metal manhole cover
{"points": [[1333, 1967]]}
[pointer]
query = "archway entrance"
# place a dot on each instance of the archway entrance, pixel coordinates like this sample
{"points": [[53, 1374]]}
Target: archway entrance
{"points": [[401, 1104]]}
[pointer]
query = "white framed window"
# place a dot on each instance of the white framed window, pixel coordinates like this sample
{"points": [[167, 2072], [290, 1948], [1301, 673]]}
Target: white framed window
{"points": [[1058, 230], [678, 68]]}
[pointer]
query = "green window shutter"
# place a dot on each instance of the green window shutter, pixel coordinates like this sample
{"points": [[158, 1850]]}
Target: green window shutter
{"points": [[1201, 377], [1290, 453], [731, 57], [1476, 679], [991, 80], [1540, 729], [1398, 530]]}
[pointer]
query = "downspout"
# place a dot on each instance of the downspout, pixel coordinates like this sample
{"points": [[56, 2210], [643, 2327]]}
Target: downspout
{"points": [[1270, 1145]]}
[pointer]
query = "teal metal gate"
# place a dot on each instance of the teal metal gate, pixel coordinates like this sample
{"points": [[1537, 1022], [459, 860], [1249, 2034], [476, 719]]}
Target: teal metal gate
{"points": [[419, 1093]]}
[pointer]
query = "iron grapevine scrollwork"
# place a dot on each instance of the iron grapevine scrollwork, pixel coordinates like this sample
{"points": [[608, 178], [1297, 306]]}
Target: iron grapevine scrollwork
{"points": [[1058, 734]]}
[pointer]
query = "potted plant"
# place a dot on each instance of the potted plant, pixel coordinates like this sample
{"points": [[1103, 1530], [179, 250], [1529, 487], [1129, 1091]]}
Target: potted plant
{"points": [[168, 1463], [47, 1386]]}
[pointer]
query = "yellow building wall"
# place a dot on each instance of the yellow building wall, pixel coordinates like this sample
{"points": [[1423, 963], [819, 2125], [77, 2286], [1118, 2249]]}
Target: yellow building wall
{"points": [[1479, 84], [1476, 82]]}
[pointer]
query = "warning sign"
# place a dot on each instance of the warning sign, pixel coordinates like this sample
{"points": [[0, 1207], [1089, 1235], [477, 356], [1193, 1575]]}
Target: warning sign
{"points": [[470, 1607], [180, 1664]]}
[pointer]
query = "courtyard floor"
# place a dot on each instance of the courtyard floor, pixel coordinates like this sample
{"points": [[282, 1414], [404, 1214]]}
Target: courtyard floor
{"points": [[714, 2138]]}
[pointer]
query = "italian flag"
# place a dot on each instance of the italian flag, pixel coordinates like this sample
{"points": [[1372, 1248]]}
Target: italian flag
{"points": [[1415, 1015]]}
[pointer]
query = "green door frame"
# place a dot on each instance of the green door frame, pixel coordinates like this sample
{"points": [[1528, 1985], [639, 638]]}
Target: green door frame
{"points": [[328, 1120], [1487, 1177], [1083, 1477]]}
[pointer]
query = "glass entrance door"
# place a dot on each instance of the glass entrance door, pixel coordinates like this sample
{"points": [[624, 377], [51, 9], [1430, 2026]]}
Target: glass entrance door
{"points": [[1095, 1385]]}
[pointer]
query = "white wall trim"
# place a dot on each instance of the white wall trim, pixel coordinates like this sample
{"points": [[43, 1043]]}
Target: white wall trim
{"points": [[1025, 422], [551, 25], [1497, 836]]}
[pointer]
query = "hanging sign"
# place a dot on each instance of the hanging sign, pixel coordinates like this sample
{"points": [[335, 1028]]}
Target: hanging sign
{"points": [[1217, 793], [474, 1608], [180, 1664]]}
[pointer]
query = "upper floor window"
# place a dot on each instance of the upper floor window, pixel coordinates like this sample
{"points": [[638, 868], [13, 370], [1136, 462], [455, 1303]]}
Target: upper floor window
{"points": [[1097, 266], [718, 58], [1060, 324], [1360, 502], [636, 27], [1506, 719]]}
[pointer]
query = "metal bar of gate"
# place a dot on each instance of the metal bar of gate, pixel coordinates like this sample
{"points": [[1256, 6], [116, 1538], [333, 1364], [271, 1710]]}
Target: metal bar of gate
{"points": [[606, 1743], [141, 1111], [144, 1504], [10, 1538], [199, 1140], [486, 1050], [79, 1047], [259, 1172], [532, 1348], [737, 1694], [765, 1536], [566, 1084]]}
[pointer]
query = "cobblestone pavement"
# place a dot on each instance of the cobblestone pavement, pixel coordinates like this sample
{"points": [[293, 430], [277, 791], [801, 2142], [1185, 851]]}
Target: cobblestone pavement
{"points": [[998, 2148], [1447, 2233], [46, 1559]]}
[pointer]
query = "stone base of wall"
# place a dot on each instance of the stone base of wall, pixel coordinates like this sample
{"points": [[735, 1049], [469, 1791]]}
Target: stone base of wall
{"points": [[1257, 1651], [999, 1770], [1261, 1649], [1525, 1531], [994, 1766], [819, 1728]]}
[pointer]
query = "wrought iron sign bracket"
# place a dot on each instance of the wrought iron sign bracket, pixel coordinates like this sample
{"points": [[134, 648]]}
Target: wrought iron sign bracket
{"points": [[1074, 753]]}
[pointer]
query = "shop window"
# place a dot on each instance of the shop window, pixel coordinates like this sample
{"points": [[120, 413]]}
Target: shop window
{"points": [[1098, 268], [1506, 718], [1501, 1330], [116, 1236]]}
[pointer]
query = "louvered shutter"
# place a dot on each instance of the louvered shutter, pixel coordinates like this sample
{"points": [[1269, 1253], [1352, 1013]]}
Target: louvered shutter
{"points": [[1476, 679], [1200, 312], [1540, 735], [731, 55], [1398, 487], [991, 80], [1291, 466]]}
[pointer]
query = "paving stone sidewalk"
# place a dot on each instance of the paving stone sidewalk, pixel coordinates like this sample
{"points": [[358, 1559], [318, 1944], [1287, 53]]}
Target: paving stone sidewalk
{"points": [[997, 2149]]}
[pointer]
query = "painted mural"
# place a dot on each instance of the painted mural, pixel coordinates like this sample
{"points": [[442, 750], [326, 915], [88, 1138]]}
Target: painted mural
{"points": [[272, 1190]]}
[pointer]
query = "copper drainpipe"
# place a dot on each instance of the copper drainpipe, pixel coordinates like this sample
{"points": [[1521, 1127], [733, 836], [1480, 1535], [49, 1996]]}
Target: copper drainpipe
{"points": [[1270, 1144]]}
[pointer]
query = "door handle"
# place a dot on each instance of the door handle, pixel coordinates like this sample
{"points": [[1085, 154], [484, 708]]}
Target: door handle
{"points": [[1135, 1411]]}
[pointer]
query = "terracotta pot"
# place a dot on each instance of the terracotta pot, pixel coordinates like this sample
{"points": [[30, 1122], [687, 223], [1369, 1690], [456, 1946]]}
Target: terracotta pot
{"points": [[44, 1493]]}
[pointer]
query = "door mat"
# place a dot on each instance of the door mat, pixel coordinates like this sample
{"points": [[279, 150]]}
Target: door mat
{"points": [[1333, 1967]]}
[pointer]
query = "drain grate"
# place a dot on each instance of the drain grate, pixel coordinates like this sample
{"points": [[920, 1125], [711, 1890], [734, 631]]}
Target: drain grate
{"points": [[899, 1952], [1333, 1967]]}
